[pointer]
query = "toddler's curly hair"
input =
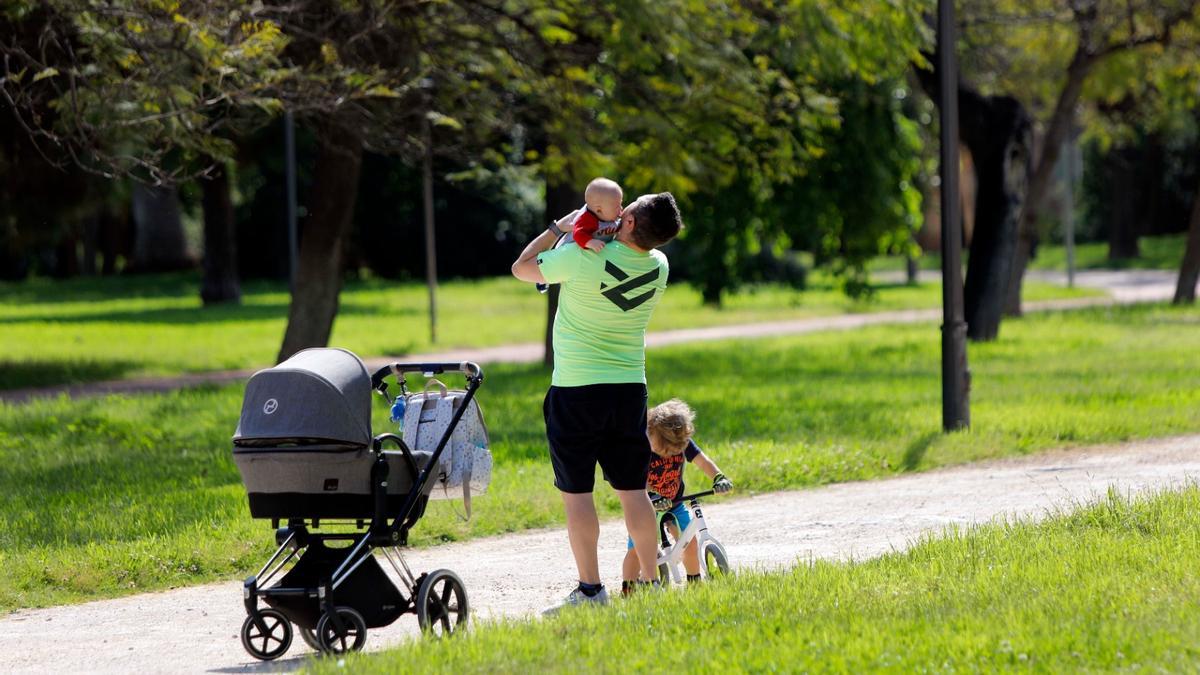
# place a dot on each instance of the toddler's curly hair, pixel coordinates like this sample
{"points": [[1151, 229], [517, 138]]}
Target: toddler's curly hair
{"points": [[673, 422]]}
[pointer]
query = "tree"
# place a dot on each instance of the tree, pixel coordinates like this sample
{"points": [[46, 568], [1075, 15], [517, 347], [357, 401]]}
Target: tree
{"points": [[1189, 268], [220, 281], [997, 131], [1043, 53]]}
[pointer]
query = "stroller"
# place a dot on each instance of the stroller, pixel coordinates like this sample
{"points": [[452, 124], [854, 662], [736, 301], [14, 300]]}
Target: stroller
{"points": [[310, 464]]}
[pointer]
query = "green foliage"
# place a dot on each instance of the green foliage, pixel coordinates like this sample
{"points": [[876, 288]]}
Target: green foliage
{"points": [[1110, 587], [115, 495]]}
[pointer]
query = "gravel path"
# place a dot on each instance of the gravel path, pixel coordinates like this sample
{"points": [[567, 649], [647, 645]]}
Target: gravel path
{"points": [[195, 629]]}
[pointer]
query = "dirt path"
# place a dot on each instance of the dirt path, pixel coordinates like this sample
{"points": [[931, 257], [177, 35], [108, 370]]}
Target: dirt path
{"points": [[195, 629]]}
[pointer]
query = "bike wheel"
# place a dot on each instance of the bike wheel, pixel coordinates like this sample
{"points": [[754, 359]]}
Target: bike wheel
{"points": [[442, 606], [664, 575], [716, 563]]}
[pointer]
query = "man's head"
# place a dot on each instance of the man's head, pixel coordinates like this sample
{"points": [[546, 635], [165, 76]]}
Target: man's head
{"points": [[604, 197], [670, 426], [651, 220]]}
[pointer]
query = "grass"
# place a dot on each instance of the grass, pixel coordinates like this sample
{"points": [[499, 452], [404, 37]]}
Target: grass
{"points": [[1163, 252], [1110, 587], [115, 495], [54, 332]]}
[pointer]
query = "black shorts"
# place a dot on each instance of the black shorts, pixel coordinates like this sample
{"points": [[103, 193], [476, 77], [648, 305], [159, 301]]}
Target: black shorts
{"points": [[604, 423]]}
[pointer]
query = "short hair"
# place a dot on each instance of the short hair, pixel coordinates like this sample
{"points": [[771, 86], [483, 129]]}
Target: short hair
{"points": [[672, 421], [657, 221], [605, 185]]}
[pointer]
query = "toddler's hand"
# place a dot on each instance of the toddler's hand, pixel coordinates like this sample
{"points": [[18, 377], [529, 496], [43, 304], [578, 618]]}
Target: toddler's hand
{"points": [[595, 245], [721, 484], [660, 502]]}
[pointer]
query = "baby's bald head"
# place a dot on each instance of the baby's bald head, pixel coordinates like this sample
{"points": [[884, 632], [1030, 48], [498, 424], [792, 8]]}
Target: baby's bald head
{"points": [[604, 197]]}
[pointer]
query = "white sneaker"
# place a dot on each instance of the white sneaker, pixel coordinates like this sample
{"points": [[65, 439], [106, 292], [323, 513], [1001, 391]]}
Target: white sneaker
{"points": [[577, 598]]}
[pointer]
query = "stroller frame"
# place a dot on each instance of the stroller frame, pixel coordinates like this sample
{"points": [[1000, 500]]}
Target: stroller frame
{"points": [[342, 629]]}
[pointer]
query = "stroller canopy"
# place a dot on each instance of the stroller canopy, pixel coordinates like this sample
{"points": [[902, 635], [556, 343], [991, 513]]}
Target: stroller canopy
{"points": [[317, 397]]}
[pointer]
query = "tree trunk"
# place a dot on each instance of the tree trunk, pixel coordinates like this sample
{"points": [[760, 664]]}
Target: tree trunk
{"points": [[1122, 173], [998, 132], [560, 200], [66, 255], [220, 282], [322, 237], [91, 236], [159, 244], [1189, 270], [1056, 131]]}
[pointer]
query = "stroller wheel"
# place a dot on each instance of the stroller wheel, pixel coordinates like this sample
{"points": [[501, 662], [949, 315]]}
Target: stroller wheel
{"points": [[271, 643], [442, 606], [351, 641], [310, 638]]}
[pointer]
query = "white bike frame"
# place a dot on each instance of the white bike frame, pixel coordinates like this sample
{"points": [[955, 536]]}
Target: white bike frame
{"points": [[672, 556]]}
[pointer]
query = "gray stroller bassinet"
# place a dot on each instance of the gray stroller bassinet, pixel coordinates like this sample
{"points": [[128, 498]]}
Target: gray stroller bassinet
{"points": [[307, 457], [303, 444]]}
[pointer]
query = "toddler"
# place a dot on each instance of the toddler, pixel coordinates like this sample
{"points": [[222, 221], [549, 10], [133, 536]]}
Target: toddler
{"points": [[670, 426]]}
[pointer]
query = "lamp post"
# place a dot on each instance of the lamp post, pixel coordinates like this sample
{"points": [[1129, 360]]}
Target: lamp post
{"points": [[955, 377]]}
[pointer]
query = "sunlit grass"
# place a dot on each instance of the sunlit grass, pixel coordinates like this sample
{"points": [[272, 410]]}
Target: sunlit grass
{"points": [[112, 495], [81, 330], [1111, 587]]}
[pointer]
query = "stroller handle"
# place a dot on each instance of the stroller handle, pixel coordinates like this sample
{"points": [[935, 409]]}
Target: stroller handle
{"points": [[469, 368]]}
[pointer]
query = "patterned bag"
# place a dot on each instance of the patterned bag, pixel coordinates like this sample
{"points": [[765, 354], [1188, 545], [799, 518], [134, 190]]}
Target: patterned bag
{"points": [[466, 463]]}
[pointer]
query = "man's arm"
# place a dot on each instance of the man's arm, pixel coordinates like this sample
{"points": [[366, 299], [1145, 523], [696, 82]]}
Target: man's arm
{"points": [[526, 266]]}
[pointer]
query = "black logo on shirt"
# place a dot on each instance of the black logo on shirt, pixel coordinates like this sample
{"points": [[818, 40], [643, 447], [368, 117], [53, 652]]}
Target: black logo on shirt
{"points": [[618, 293]]}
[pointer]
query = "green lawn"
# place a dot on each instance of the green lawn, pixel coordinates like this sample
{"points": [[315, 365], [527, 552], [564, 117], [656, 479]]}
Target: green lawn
{"points": [[54, 332], [1157, 253], [114, 495], [1112, 587], [1163, 252]]}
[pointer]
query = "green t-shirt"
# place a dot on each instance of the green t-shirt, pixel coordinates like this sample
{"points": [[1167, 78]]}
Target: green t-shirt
{"points": [[603, 308]]}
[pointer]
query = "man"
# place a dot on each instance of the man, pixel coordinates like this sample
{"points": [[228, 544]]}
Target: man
{"points": [[595, 409]]}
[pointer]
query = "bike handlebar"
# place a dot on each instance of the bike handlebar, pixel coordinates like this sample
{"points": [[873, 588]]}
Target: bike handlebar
{"points": [[694, 495]]}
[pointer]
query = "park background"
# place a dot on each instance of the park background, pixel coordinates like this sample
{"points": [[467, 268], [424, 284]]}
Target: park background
{"points": [[144, 232]]}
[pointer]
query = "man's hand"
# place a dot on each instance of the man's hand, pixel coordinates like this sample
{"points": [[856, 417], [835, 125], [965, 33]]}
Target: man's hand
{"points": [[595, 245], [660, 502], [721, 484]]}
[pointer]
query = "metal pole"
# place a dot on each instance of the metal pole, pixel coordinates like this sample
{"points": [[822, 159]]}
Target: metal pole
{"points": [[289, 143], [955, 378], [430, 244]]}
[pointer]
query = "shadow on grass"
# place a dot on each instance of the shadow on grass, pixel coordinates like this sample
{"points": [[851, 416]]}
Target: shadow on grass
{"points": [[915, 452], [196, 315], [45, 373]]}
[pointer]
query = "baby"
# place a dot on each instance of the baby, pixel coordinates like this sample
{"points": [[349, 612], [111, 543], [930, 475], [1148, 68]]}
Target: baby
{"points": [[597, 223]]}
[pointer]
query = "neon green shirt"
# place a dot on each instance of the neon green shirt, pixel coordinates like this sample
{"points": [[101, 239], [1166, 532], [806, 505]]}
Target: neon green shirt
{"points": [[603, 308]]}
